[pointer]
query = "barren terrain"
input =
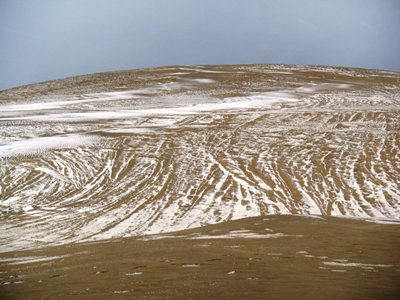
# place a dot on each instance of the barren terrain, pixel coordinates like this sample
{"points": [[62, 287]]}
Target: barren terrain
{"points": [[103, 169]]}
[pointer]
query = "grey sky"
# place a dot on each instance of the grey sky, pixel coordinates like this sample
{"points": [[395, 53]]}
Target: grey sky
{"points": [[49, 39]]}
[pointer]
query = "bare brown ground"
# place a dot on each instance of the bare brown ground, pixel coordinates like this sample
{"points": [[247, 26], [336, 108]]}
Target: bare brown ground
{"points": [[277, 257]]}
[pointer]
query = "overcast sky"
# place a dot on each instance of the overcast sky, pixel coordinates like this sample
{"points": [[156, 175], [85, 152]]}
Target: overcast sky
{"points": [[50, 39]]}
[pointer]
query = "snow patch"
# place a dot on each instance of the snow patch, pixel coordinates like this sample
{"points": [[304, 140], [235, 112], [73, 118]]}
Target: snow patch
{"points": [[41, 144]]}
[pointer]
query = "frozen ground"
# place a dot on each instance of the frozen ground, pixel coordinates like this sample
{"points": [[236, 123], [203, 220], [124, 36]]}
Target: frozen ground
{"points": [[152, 151]]}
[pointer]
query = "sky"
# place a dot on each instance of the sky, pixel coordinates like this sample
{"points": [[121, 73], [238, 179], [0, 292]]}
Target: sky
{"points": [[50, 39]]}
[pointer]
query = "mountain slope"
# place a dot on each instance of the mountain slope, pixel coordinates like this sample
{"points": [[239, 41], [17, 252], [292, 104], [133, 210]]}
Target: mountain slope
{"points": [[159, 150]]}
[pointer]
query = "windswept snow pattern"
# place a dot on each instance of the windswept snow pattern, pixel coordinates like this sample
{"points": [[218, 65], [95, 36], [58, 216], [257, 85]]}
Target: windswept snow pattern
{"points": [[182, 147]]}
